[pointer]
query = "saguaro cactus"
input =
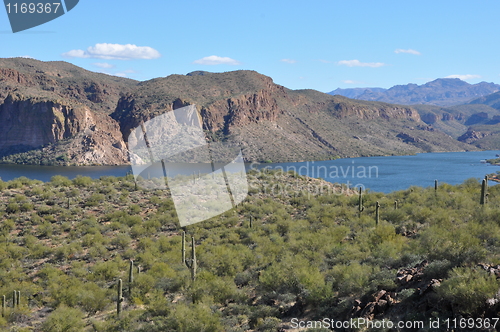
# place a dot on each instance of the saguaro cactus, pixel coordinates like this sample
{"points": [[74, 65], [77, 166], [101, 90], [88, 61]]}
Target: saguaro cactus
{"points": [[484, 191], [14, 299], [435, 185], [120, 299], [395, 205], [377, 213], [190, 263], [130, 278], [4, 304], [361, 208], [251, 221], [18, 298]]}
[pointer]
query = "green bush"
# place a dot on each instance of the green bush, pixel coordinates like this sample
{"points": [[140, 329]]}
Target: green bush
{"points": [[468, 289], [64, 319], [82, 181]]}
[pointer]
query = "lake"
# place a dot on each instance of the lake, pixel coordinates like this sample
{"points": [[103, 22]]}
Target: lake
{"points": [[383, 174]]}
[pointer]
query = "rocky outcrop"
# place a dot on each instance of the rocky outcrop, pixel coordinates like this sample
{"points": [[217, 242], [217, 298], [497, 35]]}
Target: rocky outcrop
{"points": [[385, 112], [408, 138], [242, 110], [471, 136]]}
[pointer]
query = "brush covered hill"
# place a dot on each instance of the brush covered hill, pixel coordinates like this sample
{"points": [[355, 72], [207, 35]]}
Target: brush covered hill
{"points": [[57, 113], [308, 254]]}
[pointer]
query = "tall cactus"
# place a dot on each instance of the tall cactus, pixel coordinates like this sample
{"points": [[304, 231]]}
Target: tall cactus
{"points": [[377, 213], [4, 304], [18, 299], [191, 264], [130, 278], [183, 247], [251, 221], [14, 299], [119, 299], [484, 191], [435, 185], [361, 208], [395, 205]]}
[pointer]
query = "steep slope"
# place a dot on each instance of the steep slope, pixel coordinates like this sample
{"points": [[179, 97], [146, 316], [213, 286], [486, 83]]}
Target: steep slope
{"points": [[440, 92], [492, 100], [277, 124], [54, 112], [61, 108]]}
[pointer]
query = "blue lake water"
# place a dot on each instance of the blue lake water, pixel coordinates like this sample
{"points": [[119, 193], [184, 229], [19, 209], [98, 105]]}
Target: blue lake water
{"points": [[384, 174]]}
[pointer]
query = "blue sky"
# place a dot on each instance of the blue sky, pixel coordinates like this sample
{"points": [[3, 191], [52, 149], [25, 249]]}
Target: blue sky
{"points": [[320, 45]]}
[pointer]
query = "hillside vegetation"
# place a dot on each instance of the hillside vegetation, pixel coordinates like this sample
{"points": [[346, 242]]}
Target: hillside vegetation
{"points": [[55, 113], [296, 248]]}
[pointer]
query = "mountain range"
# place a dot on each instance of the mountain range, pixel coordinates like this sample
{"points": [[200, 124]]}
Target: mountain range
{"points": [[58, 113], [440, 92]]}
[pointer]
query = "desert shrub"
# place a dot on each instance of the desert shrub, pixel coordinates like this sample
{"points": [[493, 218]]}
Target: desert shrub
{"points": [[7, 226], [12, 208], [95, 200], [106, 271], [134, 209], [92, 298], [192, 318], [60, 181], [158, 304], [351, 279], [437, 269], [64, 319], [26, 206], [261, 312], [468, 289], [121, 240], [14, 184], [131, 220], [82, 181], [208, 288]]}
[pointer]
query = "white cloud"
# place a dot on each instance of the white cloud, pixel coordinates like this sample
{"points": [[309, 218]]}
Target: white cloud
{"points": [[26, 57], [216, 60], [464, 77], [357, 63], [290, 61], [115, 52], [350, 82], [409, 51], [103, 65]]}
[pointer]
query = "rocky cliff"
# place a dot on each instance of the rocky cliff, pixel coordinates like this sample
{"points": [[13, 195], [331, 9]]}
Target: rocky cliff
{"points": [[89, 137]]}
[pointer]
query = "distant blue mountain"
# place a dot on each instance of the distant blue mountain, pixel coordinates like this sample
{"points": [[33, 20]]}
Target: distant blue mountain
{"points": [[440, 92], [354, 93]]}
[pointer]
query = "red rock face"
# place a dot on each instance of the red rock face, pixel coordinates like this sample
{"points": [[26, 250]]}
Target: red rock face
{"points": [[32, 123], [241, 110]]}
